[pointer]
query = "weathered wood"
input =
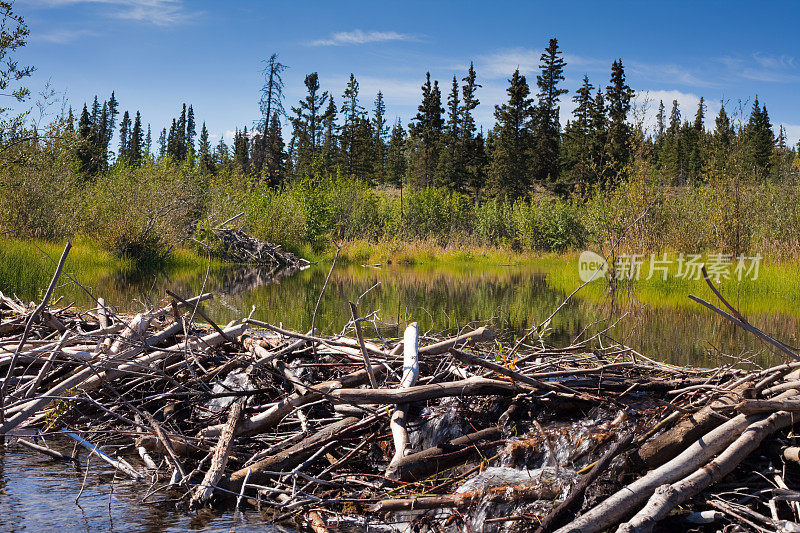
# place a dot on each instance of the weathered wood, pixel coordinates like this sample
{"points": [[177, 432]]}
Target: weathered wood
{"points": [[475, 386], [203, 492], [410, 373], [667, 497], [422, 464]]}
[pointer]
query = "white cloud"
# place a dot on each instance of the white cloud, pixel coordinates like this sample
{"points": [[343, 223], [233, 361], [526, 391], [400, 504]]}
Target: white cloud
{"points": [[792, 133], [156, 12], [503, 64], [362, 37], [763, 68], [645, 105], [61, 36]]}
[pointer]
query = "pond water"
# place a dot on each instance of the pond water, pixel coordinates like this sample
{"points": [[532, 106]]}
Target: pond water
{"points": [[38, 494]]}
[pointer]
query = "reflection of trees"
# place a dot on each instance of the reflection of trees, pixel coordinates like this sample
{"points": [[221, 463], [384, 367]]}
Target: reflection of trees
{"points": [[445, 297]]}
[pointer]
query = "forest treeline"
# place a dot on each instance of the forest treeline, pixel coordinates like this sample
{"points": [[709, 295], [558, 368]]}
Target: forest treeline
{"points": [[343, 172]]}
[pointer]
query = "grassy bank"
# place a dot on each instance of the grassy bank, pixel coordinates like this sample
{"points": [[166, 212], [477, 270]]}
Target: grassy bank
{"points": [[27, 265]]}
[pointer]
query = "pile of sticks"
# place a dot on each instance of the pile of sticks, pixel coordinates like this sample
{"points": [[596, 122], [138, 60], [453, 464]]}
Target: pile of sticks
{"points": [[461, 432], [240, 247]]}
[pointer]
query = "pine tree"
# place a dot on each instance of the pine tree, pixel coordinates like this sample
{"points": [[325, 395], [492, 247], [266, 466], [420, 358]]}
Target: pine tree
{"points": [[547, 131], [191, 131], [241, 152], [271, 102], [148, 143], [136, 143], [275, 162], [425, 134], [379, 129], [308, 126], [510, 169], [354, 138], [162, 144], [222, 156], [396, 156], [124, 138], [85, 149], [204, 152], [450, 171], [330, 153], [598, 138], [618, 97], [672, 159], [660, 122], [180, 139], [759, 141], [70, 121], [472, 149], [576, 152]]}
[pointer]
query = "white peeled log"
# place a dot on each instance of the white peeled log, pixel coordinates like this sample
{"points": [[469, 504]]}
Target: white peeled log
{"points": [[668, 497], [410, 375]]}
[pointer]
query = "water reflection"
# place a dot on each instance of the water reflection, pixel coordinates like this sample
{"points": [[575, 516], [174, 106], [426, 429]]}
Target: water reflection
{"points": [[511, 298]]}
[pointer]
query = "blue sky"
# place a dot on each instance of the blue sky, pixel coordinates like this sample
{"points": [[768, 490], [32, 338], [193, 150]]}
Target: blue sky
{"points": [[157, 54]]}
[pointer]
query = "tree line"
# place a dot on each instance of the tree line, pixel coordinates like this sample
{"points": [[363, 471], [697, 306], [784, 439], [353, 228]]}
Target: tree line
{"points": [[527, 149]]}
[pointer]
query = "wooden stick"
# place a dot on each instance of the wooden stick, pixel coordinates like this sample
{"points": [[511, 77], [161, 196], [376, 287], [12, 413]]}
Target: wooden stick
{"points": [[116, 463], [410, 373], [475, 386], [204, 491], [667, 497], [364, 352]]}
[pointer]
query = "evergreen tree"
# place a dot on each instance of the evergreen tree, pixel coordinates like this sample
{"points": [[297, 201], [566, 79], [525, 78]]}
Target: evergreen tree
{"points": [[598, 138], [576, 153], [85, 150], [510, 169], [330, 153], [472, 148], [425, 134], [136, 143], [124, 138], [241, 151], [70, 121], [271, 102], [355, 136], [191, 131], [275, 163], [451, 171], [547, 128], [379, 129], [618, 97], [204, 151], [660, 122], [308, 125], [222, 156], [162, 144], [148, 142], [759, 141], [395, 156]]}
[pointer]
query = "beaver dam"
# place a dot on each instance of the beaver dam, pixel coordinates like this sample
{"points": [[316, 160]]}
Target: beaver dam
{"points": [[355, 432]]}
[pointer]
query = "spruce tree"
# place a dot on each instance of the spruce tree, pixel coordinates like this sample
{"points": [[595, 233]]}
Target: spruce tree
{"points": [[379, 130], [471, 148], [547, 131], [204, 151], [124, 138], [576, 152], [275, 162], [85, 149], [510, 169], [759, 141], [308, 124], [271, 102], [330, 153], [618, 100], [136, 142], [598, 138], [672, 159], [148, 143], [396, 156], [451, 171], [241, 152], [355, 141], [425, 134], [191, 131]]}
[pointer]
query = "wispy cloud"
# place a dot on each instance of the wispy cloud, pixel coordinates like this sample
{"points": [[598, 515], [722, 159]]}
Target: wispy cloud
{"points": [[792, 133], [763, 68], [362, 37], [61, 36], [503, 63], [156, 12]]}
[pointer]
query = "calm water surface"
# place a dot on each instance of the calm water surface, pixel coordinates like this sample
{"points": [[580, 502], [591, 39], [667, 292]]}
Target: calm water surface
{"points": [[37, 494]]}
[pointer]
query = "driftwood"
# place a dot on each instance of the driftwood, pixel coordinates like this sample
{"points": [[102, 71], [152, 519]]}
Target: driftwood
{"points": [[321, 441]]}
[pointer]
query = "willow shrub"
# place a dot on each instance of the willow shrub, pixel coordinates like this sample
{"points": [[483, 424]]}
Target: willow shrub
{"points": [[143, 212]]}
